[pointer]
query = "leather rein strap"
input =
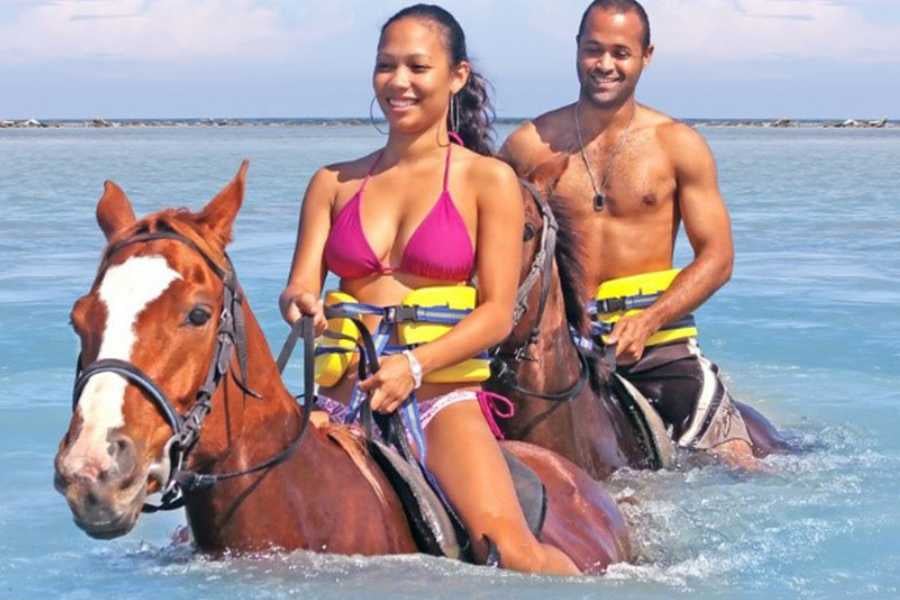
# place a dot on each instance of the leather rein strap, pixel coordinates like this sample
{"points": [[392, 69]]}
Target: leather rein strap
{"points": [[230, 341], [541, 269]]}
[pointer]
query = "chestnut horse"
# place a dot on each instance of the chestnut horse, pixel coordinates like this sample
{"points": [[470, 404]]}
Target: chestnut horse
{"points": [[156, 356], [560, 398]]}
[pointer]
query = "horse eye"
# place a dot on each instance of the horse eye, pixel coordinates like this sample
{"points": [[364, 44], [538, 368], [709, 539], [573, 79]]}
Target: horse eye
{"points": [[529, 232], [199, 316]]}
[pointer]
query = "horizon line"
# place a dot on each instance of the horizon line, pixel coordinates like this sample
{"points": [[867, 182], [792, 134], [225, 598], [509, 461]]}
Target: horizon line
{"points": [[367, 119]]}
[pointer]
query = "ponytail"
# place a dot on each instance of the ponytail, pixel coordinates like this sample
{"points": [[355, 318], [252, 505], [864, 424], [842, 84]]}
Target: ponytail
{"points": [[473, 114]]}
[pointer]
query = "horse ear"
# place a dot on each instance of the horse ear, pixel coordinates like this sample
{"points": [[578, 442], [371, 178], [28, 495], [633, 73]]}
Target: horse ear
{"points": [[218, 216], [114, 211], [546, 175]]}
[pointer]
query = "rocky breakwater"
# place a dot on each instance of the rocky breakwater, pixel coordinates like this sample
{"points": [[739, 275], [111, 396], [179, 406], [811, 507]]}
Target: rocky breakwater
{"points": [[853, 123], [29, 124]]}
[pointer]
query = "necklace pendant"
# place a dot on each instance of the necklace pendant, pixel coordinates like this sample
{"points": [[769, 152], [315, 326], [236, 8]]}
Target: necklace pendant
{"points": [[599, 202]]}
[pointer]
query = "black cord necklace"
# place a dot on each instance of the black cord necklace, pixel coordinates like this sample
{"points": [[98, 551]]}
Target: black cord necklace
{"points": [[600, 191]]}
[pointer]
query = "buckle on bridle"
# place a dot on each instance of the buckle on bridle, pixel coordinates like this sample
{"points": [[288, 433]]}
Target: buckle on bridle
{"points": [[502, 373]]}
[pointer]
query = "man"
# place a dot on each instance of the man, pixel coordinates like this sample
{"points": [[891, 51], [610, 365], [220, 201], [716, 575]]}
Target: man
{"points": [[633, 175]]}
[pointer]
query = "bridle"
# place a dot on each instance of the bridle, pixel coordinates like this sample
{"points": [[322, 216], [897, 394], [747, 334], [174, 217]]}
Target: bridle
{"points": [[230, 340], [505, 363]]}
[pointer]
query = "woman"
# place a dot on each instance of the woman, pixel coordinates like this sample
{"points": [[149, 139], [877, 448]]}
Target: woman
{"points": [[426, 212]]}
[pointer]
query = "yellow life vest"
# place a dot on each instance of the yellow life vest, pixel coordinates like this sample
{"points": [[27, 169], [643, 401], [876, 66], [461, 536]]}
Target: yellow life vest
{"points": [[631, 295], [330, 367]]}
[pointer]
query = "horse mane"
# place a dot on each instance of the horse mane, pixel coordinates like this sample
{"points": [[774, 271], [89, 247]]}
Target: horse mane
{"points": [[570, 253], [569, 256]]}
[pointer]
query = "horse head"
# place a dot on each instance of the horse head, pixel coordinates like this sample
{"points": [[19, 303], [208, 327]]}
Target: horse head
{"points": [[152, 309], [548, 257]]}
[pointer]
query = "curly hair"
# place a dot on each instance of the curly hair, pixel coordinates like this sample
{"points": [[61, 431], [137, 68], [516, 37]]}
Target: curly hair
{"points": [[619, 6], [475, 115]]}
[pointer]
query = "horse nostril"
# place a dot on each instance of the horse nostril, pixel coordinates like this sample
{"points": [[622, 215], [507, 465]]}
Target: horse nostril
{"points": [[59, 482], [121, 450]]}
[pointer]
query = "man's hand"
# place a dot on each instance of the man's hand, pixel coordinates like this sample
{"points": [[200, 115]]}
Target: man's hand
{"points": [[391, 385], [630, 334]]}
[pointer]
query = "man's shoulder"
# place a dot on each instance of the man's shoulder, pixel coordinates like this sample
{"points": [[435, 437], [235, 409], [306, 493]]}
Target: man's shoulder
{"points": [[675, 137], [556, 121], [671, 132], [538, 140]]}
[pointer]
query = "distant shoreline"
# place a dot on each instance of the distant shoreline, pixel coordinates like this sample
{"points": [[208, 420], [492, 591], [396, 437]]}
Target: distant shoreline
{"points": [[100, 123]]}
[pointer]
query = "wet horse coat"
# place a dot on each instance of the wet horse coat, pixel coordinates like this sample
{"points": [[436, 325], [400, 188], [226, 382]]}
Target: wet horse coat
{"points": [[155, 305]]}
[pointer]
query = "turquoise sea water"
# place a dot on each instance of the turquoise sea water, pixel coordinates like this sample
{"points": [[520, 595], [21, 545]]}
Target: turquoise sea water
{"points": [[807, 331]]}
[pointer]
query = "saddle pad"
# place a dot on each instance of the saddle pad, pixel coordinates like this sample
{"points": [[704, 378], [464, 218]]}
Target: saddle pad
{"points": [[434, 525], [646, 421], [530, 491]]}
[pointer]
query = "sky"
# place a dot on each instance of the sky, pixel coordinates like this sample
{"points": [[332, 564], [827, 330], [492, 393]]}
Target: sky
{"points": [[313, 58]]}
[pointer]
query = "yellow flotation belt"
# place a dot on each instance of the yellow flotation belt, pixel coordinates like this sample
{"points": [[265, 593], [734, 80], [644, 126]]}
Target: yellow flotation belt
{"points": [[628, 296], [425, 315]]}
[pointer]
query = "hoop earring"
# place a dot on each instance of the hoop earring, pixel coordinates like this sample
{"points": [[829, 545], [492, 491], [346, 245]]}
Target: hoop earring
{"points": [[372, 117], [454, 113]]}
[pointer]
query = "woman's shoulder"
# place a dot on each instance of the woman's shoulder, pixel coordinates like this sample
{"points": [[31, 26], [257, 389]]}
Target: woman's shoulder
{"points": [[349, 170], [487, 170]]}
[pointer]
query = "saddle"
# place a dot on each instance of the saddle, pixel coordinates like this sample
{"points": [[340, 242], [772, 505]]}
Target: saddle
{"points": [[648, 425], [434, 524]]}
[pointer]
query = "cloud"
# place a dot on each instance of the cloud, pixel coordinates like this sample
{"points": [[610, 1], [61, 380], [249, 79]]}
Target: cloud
{"points": [[785, 17], [167, 30], [750, 29], [181, 31], [96, 17]]}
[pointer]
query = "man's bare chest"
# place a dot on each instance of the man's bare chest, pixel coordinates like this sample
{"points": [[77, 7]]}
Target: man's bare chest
{"points": [[633, 189]]}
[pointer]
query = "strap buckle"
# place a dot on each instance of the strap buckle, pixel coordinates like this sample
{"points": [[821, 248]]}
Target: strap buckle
{"points": [[610, 305], [402, 314]]}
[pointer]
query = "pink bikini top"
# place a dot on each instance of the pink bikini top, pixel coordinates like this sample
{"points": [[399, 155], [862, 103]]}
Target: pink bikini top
{"points": [[439, 248]]}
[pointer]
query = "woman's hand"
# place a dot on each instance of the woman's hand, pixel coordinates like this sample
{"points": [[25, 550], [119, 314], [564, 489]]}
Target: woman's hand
{"points": [[389, 388], [305, 304]]}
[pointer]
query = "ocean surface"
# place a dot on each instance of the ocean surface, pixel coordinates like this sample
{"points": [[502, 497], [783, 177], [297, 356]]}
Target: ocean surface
{"points": [[807, 331]]}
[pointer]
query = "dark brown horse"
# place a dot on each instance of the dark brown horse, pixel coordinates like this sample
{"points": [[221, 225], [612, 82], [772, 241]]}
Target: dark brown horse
{"points": [[584, 423], [561, 400], [153, 330]]}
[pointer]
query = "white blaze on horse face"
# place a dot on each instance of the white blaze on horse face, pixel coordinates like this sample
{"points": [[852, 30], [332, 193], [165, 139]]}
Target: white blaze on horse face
{"points": [[126, 290]]}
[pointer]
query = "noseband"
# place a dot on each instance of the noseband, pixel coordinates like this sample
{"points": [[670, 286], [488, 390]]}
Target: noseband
{"points": [[230, 340], [505, 364]]}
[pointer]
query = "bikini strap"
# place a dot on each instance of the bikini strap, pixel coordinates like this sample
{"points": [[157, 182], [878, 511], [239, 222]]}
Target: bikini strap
{"points": [[454, 137], [371, 170], [447, 165]]}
